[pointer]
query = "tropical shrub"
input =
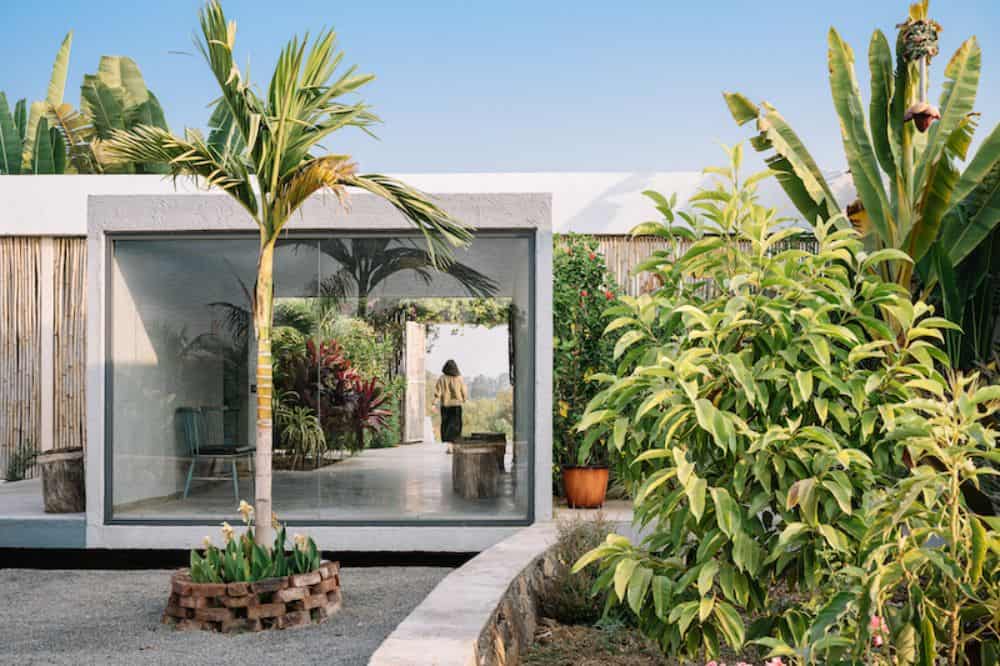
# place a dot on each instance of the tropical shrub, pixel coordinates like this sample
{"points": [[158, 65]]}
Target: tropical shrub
{"points": [[582, 288], [240, 560], [298, 430], [752, 400], [912, 195], [372, 354], [928, 586]]}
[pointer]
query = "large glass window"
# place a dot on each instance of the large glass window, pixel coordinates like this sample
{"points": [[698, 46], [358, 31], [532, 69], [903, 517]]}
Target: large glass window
{"points": [[403, 393]]}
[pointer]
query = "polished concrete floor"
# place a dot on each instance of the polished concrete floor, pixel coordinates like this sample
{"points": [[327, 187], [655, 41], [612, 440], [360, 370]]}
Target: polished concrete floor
{"points": [[410, 482]]}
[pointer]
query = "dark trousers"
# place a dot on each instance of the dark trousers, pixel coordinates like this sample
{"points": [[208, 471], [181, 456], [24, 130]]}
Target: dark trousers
{"points": [[451, 424]]}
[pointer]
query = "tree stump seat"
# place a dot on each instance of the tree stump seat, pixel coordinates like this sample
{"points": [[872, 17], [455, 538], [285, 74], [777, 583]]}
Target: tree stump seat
{"points": [[498, 440], [63, 481], [474, 473]]}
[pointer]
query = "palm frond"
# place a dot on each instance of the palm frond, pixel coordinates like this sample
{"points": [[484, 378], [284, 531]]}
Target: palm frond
{"points": [[441, 231], [76, 131], [302, 106], [328, 172], [184, 157], [216, 45]]}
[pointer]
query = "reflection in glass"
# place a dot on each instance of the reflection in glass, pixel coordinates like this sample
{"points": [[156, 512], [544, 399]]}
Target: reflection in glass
{"points": [[361, 327]]}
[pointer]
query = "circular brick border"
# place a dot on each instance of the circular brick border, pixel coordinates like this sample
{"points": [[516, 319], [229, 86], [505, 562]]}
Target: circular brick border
{"points": [[274, 603]]}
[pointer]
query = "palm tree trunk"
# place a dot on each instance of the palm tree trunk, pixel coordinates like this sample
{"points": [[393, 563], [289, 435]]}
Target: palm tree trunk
{"points": [[263, 316]]}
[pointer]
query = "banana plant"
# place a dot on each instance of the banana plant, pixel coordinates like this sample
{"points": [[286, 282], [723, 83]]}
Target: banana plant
{"points": [[52, 137], [903, 153], [116, 98], [32, 139]]}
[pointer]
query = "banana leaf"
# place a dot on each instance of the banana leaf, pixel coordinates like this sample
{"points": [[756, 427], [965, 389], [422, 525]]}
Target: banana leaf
{"points": [[10, 141]]}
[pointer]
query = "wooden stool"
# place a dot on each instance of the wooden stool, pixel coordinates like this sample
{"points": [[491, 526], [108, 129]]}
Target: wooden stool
{"points": [[495, 439], [474, 473]]}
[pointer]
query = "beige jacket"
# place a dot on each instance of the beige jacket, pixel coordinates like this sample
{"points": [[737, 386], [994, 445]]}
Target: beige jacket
{"points": [[450, 391]]}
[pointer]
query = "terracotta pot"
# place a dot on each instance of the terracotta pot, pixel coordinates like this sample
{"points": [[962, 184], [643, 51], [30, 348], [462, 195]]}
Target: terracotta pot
{"points": [[585, 486]]}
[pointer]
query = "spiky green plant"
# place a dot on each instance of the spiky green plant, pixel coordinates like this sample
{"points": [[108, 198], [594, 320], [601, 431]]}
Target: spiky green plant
{"points": [[265, 151]]}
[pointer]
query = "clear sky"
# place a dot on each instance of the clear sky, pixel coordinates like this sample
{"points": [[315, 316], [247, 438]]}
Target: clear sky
{"points": [[512, 85]]}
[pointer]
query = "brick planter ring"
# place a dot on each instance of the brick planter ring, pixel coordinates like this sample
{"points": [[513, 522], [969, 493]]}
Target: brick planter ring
{"points": [[274, 603]]}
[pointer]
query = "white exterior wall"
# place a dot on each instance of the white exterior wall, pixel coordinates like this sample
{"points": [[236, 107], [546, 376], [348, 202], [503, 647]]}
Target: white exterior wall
{"points": [[593, 203], [600, 203]]}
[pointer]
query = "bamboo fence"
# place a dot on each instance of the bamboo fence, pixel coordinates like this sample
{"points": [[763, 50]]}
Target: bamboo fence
{"points": [[70, 351], [20, 358], [623, 253]]}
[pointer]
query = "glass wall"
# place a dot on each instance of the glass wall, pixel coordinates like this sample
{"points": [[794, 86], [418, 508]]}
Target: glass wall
{"points": [[364, 326]]}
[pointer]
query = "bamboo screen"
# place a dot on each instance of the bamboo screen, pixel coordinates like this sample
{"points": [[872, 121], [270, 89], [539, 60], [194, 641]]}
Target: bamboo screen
{"points": [[70, 350], [622, 253], [20, 358]]}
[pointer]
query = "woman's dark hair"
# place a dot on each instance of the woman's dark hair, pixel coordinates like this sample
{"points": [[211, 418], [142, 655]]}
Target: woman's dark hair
{"points": [[451, 369]]}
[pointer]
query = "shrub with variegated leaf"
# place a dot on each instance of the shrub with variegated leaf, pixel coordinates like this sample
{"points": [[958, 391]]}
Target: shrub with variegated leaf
{"points": [[751, 402], [928, 588]]}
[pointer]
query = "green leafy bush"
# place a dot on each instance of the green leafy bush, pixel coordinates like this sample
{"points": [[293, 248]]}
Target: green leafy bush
{"points": [[241, 560], [752, 400], [581, 291], [928, 586]]}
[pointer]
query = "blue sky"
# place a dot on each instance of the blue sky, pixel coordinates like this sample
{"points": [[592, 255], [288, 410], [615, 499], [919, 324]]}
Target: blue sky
{"points": [[515, 85]]}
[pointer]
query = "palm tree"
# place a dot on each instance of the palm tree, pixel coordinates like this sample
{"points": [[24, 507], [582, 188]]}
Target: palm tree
{"points": [[264, 151], [366, 262]]}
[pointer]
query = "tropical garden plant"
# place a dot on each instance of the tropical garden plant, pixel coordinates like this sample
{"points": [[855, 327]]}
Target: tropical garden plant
{"points": [[752, 401], [926, 586], [299, 430], [52, 137], [266, 151], [903, 157], [582, 289], [243, 559]]}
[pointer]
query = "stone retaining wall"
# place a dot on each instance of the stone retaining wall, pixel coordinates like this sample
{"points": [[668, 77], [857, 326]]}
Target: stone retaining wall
{"points": [[274, 603], [510, 631]]}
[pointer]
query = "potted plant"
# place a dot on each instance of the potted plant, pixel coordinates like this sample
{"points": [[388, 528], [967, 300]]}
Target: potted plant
{"points": [[583, 289], [586, 482]]}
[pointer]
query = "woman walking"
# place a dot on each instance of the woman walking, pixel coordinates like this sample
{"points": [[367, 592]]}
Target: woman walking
{"points": [[450, 393]]}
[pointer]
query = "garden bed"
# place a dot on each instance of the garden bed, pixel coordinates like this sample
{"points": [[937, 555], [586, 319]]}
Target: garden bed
{"points": [[274, 603]]}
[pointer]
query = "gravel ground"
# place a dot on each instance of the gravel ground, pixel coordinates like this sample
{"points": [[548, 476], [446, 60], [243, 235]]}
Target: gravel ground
{"points": [[113, 617]]}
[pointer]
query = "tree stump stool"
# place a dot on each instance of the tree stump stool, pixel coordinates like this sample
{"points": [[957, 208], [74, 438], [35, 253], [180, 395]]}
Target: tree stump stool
{"points": [[474, 473], [495, 439], [63, 487]]}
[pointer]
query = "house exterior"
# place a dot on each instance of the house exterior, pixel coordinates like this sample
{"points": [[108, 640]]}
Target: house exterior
{"points": [[113, 285]]}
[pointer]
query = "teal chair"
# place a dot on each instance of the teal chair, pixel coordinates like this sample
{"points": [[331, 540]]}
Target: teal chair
{"points": [[194, 429]]}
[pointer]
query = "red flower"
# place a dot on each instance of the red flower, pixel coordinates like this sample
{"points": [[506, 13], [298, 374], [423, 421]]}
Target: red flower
{"points": [[593, 256], [583, 292], [608, 295]]}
